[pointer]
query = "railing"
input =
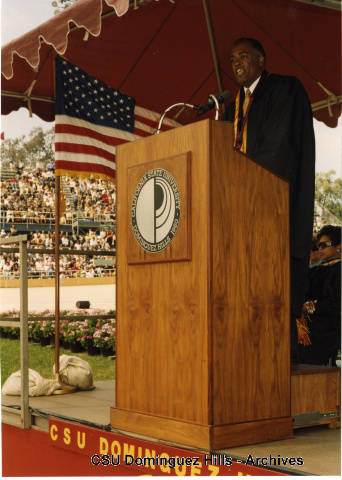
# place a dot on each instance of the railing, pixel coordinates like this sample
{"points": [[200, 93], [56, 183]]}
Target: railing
{"points": [[104, 218], [25, 416], [23, 217], [38, 249], [42, 274], [48, 217], [8, 275], [13, 321]]}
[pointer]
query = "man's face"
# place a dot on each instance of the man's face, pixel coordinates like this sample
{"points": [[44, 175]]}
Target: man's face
{"points": [[326, 251], [247, 63]]}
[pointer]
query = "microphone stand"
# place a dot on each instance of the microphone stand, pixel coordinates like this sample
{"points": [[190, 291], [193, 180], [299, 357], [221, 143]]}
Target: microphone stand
{"points": [[217, 105], [182, 104], [188, 105]]}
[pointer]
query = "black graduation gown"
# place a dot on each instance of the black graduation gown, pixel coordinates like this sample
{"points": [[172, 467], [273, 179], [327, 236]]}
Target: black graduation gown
{"points": [[325, 324], [280, 136]]}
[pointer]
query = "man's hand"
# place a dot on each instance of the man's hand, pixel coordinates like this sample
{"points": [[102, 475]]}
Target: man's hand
{"points": [[309, 307]]}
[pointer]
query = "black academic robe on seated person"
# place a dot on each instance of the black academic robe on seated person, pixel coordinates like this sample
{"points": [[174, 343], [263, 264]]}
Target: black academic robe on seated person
{"points": [[325, 323], [280, 136]]}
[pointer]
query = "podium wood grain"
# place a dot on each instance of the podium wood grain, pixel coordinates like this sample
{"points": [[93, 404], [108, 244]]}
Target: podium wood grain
{"points": [[205, 341]]}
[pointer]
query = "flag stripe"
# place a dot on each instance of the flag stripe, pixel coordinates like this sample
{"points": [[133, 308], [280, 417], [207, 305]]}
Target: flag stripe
{"points": [[106, 133], [65, 131], [149, 115], [84, 150], [142, 129], [76, 159], [149, 125], [87, 167], [82, 127], [82, 140]]}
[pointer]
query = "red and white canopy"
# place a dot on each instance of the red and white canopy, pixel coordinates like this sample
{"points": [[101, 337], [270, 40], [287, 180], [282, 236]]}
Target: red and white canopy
{"points": [[160, 53]]}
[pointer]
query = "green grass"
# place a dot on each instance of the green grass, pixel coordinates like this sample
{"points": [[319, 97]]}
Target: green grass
{"points": [[42, 359]]}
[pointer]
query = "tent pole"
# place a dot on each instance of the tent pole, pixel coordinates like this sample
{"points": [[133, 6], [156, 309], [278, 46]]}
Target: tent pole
{"points": [[212, 44], [324, 103], [23, 96], [57, 214]]}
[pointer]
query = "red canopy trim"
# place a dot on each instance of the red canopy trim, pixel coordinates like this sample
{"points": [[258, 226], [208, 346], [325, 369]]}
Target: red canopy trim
{"points": [[83, 14]]}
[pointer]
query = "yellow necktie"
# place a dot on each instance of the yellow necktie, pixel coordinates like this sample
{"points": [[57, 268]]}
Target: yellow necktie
{"points": [[246, 101]]}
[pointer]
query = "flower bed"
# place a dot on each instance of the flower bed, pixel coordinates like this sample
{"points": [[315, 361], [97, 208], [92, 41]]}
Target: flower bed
{"points": [[94, 335]]}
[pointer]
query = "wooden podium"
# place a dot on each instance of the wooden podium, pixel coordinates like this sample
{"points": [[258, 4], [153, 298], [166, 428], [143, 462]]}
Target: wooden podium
{"points": [[203, 350]]}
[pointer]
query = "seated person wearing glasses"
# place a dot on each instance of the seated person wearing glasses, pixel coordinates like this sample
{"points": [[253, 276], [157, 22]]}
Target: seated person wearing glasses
{"points": [[322, 307]]}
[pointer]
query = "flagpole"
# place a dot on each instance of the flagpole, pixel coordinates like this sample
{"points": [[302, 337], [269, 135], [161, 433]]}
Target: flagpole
{"points": [[57, 215], [64, 387]]}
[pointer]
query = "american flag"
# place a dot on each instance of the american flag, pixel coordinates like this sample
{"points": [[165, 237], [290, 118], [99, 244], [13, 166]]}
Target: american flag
{"points": [[91, 120]]}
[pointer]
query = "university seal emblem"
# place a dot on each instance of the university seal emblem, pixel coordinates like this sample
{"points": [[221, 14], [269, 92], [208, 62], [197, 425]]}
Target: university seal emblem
{"points": [[156, 210]]}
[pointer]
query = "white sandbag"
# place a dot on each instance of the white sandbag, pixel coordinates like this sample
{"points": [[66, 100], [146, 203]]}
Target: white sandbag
{"points": [[37, 384], [76, 372]]}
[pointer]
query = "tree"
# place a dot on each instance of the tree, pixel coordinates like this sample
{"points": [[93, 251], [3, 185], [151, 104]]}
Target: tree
{"points": [[12, 151], [60, 5], [39, 147], [328, 196]]}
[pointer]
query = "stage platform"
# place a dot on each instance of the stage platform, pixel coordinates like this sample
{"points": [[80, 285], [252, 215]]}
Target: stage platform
{"points": [[319, 446], [92, 407]]}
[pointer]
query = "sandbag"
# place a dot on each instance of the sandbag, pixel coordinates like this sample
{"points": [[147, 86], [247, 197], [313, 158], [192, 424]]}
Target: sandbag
{"points": [[37, 384], [76, 372]]}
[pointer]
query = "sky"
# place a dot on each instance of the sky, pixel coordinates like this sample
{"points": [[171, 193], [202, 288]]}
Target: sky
{"points": [[20, 16]]}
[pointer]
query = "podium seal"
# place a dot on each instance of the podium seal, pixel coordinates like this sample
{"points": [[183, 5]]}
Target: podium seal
{"points": [[156, 210]]}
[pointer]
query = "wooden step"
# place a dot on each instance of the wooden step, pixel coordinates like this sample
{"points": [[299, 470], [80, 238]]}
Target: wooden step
{"points": [[315, 395]]}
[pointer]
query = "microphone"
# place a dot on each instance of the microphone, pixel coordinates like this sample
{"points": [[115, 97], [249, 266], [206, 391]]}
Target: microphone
{"points": [[221, 97]]}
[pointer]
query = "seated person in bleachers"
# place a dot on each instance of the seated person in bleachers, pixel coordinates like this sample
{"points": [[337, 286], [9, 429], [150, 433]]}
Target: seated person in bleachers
{"points": [[322, 308], [13, 230]]}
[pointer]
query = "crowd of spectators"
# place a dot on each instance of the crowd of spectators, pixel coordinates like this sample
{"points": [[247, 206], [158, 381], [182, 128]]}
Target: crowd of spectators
{"points": [[90, 240], [29, 197], [42, 265], [93, 197]]}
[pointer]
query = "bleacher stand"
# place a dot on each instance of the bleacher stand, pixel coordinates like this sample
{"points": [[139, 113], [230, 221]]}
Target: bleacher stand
{"points": [[27, 206]]}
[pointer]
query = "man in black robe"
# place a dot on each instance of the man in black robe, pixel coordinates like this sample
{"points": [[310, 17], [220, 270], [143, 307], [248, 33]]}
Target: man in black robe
{"points": [[273, 125]]}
